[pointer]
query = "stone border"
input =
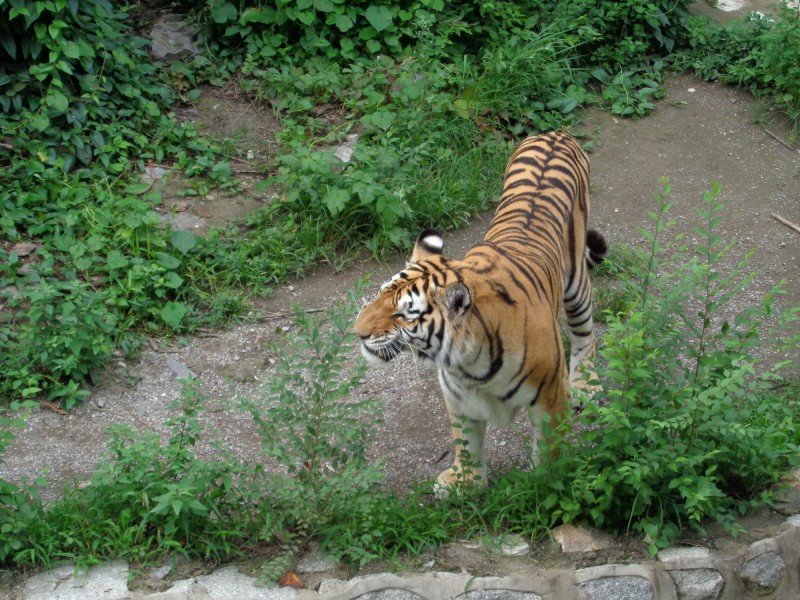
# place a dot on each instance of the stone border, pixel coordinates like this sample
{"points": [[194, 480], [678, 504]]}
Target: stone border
{"points": [[768, 568]]}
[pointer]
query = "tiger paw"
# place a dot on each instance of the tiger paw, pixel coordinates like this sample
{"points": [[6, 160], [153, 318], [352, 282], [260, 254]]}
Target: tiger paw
{"points": [[454, 478]]}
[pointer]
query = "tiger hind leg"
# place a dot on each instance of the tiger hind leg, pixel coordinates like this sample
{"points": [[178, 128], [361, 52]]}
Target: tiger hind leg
{"points": [[578, 308]]}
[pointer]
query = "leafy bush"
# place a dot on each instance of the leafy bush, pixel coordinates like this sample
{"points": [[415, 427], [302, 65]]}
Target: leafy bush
{"points": [[316, 433], [147, 499], [615, 32], [688, 428], [21, 512], [758, 52], [81, 107]]}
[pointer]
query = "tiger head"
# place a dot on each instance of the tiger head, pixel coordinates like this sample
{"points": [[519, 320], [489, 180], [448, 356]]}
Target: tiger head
{"points": [[417, 308]]}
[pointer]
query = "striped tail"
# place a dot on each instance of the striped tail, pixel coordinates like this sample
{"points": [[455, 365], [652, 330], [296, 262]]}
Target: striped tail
{"points": [[596, 248]]}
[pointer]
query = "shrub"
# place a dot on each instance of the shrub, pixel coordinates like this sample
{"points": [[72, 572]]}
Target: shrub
{"points": [[758, 52], [688, 428], [309, 426]]}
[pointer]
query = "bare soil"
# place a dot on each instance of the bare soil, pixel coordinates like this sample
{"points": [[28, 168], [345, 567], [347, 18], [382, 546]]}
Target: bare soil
{"points": [[698, 133]]}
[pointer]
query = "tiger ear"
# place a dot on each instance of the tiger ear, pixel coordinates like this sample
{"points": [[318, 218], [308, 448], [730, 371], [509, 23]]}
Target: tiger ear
{"points": [[457, 300], [429, 243]]}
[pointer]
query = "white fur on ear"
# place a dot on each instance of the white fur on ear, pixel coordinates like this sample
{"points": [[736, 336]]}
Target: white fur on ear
{"points": [[429, 242], [433, 242]]}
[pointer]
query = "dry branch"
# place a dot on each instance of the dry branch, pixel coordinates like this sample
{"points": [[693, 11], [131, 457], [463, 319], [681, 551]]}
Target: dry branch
{"points": [[789, 224]]}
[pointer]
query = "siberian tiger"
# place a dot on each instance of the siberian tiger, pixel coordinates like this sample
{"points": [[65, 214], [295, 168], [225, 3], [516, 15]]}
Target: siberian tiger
{"points": [[489, 322]]}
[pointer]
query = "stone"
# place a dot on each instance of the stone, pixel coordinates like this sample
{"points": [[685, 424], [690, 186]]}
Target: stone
{"points": [[685, 558], [344, 152], [316, 562], [625, 587], [228, 583], [23, 249], [390, 594], [511, 545], [498, 595], [173, 39], [153, 173], [763, 572], [180, 370], [183, 222], [572, 538], [109, 580], [697, 584]]}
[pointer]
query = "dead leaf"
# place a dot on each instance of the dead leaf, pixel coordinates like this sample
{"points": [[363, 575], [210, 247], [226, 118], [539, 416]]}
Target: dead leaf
{"points": [[291, 580], [54, 407]]}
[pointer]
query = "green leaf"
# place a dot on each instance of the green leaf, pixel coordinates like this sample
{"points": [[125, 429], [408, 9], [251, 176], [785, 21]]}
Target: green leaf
{"points": [[71, 49], [10, 45], [336, 199], [223, 13], [323, 5], [382, 119], [173, 313], [116, 260], [344, 23], [39, 122], [172, 280], [306, 17], [380, 17], [167, 261], [183, 241], [57, 101], [98, 141]]}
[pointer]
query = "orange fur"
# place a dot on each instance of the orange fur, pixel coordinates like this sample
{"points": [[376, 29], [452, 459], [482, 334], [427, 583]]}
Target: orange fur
{"points": [[489, 322]]}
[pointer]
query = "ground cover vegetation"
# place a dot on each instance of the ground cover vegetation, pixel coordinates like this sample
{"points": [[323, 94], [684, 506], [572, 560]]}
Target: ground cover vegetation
{"points": [[435, 91]]}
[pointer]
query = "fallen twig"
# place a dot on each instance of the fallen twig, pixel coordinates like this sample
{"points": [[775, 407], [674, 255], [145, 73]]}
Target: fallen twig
{"points": [[789, 224], [779, 140]]}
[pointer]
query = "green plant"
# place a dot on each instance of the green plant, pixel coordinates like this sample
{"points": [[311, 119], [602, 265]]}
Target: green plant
{"points": [[309, 426], [21, 511], [147, 499], [631, 90], [687, 428], [760, 52]]}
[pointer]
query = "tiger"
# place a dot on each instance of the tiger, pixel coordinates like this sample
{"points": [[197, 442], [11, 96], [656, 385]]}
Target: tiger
{"points": [[488, 323]]}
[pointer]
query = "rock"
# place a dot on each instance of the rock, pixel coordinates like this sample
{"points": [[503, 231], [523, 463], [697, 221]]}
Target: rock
{"points": [[344, 152], [572, 538], [153, 173], [23, 249], [513, 545], [685, 558], [181, 371], [498, 595], [625, 587], [316, 562], [183, 221], [697, 584], [172, 39], [763, 573], [109, 580], [391, 594]]}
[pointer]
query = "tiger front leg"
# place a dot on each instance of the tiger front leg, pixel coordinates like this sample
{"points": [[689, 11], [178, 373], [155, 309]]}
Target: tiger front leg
{"points": [[469, 465]]}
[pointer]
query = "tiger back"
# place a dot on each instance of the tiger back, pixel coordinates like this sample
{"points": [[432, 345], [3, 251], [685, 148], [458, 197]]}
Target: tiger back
{"points": [[488, 322]]}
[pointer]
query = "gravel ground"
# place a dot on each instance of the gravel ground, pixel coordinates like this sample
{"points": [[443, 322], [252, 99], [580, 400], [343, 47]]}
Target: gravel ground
{"points": [[698, 133]]}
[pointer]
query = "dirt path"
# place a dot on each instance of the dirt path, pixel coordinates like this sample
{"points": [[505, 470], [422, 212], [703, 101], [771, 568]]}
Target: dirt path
{"points": [[699, 132]]}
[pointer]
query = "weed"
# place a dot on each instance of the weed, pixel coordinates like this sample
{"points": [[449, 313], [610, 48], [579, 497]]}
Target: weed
{"points": [[759, 52], [308, 425], [687, 428]]}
